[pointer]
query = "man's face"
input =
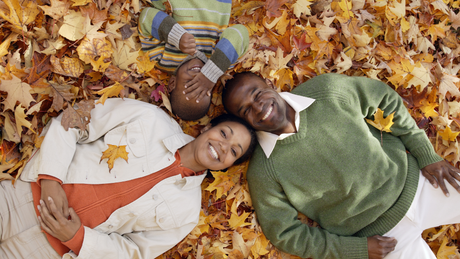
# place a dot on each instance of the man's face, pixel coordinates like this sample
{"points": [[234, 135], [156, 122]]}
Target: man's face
{"points": [[259, 104]]}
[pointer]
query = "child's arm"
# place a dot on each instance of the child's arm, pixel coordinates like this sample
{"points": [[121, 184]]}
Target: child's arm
{"points": [[233, 43], [154, 23]]}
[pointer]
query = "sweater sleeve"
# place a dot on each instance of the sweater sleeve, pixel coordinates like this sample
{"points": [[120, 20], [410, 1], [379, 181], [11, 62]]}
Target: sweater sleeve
{"points": [[233, 43], [154, 23], [371, 94], [279, 222]]}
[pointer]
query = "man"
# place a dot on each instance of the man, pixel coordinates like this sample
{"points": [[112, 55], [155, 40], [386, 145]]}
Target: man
{"points": [[320, 157]]}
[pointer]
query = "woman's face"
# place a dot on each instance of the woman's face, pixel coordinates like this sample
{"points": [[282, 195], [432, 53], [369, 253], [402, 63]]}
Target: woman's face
{"points": [[220, 146]]}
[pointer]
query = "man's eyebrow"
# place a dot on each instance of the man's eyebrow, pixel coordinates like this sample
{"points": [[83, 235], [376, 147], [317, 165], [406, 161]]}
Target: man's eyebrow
{"points": [[231, 131], [252, 92]]}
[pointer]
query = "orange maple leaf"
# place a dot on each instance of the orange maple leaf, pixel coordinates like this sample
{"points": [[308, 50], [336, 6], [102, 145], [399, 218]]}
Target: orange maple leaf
{"points": [[113, 152]]}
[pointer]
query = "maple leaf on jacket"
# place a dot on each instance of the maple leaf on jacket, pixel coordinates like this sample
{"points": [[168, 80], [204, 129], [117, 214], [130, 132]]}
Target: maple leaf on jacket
{"points": [[112, 153]]}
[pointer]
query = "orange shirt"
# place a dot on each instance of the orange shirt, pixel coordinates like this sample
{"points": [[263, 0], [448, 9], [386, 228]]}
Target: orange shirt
{"points": [[94, 203]]}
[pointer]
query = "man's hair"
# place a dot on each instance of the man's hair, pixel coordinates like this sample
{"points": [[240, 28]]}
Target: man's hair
{"points": [[252, 145], [188, 110], [235, 82]]}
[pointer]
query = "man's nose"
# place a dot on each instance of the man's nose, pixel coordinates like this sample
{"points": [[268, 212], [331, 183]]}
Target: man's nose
{"points": [[257, 106]]}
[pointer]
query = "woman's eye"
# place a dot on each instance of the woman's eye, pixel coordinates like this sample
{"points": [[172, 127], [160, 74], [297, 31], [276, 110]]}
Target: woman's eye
{"points": [[223, 134], [234, 152]]}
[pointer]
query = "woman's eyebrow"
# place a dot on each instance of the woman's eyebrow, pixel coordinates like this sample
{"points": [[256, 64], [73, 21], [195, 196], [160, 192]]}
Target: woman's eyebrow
{"points": [[231, 131]]}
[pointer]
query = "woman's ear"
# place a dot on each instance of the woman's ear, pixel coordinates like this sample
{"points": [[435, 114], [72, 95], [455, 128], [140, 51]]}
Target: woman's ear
{"points": [[172, 83], [270, 83], [206, 128]]}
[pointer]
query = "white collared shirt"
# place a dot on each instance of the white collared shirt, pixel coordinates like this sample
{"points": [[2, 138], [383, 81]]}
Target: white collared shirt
{"points": [[299, 103]]}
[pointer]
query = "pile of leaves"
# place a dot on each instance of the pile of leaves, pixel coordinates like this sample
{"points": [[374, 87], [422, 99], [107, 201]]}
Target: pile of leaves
{"points": [[56, 56]]}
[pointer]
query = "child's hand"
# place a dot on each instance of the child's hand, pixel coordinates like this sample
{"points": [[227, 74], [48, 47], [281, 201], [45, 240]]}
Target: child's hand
{"points": [[187, 44], [198, 88]]}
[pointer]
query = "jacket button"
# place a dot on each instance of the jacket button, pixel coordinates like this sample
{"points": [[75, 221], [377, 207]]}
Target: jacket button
{"points": [[132, 140], [110, 226], [162, 220], [155, 196]]}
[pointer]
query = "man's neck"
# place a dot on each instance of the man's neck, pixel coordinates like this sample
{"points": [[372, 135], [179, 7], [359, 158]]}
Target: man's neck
{"points": [[290, 121]]}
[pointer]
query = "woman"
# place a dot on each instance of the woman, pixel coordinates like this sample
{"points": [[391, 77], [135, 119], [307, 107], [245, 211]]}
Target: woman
{"points": [[140, 208]]}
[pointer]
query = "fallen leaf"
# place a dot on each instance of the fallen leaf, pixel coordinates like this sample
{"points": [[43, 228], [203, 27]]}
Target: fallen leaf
{"points": [[18, 91], [112, 153], [113, 90], [382, 124]]}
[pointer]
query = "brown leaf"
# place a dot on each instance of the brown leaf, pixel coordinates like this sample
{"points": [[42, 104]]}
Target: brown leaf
{"points": [[18, 91], [77, 116]]}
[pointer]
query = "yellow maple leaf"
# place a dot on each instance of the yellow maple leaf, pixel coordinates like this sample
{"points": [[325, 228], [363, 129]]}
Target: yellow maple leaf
{"points": [[260, 246], [21, 120], [95, 52], [6, 44], [346, 6], [448, 135], [428, 109], [420, 77], [20, 14], [113, 152], [382, 124], [444, 251], [144, 64], [235, 220], [222, 183], [81, 2], [113, 90], [124, 57]]}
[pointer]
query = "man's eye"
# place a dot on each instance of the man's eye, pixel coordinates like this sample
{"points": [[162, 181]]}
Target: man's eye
{"points": [[246, 112], [257, 95]]}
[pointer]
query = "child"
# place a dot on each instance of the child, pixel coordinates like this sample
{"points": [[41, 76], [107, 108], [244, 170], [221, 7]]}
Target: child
{"points": [[188, 38]]}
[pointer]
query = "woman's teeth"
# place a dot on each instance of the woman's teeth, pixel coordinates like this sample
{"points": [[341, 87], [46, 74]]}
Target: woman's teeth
{"points": [[214, 153]]}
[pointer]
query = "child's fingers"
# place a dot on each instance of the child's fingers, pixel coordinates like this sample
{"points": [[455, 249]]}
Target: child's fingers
{"points": [[191, 88], [201, 96]]}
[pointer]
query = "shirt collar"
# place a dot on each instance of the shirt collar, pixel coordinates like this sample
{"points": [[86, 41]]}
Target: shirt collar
{"points": [[176, 141], [299, 103]]}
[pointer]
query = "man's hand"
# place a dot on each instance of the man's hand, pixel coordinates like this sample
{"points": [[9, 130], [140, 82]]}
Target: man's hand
{"points": [[198, 88], [438, 172], [53, 189], [54, 222], [379, 246], [187, 44]]}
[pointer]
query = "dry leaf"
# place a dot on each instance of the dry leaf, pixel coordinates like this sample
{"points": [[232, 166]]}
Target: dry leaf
{"points": [[112, 153]]}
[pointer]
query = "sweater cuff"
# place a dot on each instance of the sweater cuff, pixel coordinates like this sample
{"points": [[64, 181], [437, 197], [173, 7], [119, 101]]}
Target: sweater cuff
{"points": [[426, 156], [211, 71], [175, 34], [357, 247], [76, 242], [47, 177]]}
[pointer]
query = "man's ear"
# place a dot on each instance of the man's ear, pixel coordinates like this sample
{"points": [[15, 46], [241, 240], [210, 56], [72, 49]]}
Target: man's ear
{"points": [[206, 128], [270, 83], [172, 83]]}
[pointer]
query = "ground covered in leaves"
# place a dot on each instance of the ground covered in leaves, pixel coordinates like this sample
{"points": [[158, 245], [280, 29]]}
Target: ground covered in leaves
{"points": [[55, 55]]}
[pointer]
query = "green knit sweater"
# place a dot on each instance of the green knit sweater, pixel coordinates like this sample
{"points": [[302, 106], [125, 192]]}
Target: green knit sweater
{"points": [[336, 171]]}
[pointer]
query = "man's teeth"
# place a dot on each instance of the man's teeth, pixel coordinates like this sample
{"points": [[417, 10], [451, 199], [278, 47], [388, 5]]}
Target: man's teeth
{"points": [[268, 113], [214, 153]]}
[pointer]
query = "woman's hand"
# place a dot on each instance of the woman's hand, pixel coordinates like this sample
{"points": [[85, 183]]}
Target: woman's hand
{"points": [[54, 223], [378, 246], [198, 87], [187, 44], [53, 189], [438, 172]]}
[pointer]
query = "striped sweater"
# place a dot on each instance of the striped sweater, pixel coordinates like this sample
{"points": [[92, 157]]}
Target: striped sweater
{"points": [[207, 21]]}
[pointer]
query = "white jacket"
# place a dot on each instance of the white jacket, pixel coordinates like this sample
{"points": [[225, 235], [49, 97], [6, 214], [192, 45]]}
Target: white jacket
{"points": [[156, 221]]}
